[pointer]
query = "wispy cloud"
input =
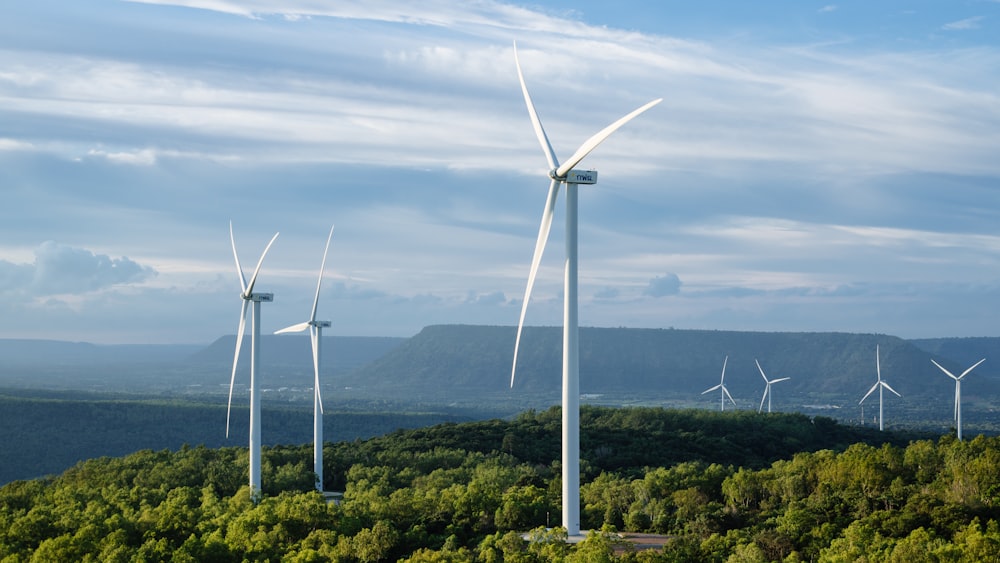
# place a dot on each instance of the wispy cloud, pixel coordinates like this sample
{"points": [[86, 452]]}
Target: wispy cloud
{"points": [[828, 8], [962, 25]]}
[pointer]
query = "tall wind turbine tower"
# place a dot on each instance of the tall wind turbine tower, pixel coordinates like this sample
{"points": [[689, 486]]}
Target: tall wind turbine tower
{"points": [[316, 338], [879, 384], [958, 392], [564, 174], [722, 385], [249, 297], [767, 387]]}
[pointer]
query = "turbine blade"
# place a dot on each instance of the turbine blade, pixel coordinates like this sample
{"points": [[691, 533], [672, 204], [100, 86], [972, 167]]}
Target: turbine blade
{"points": [[878, 368], [958, 394], [948, 373], [780, 379], [964, 373], [761, 407], [253, 279], [294, 328], [239, 267], [870, 391], [886, 385], [711, 389], [236, 360], [543, 236], [591, 143], [724, 369], [726, 391], [322, 268], [543, 139], [314, 338], [761, 370]]}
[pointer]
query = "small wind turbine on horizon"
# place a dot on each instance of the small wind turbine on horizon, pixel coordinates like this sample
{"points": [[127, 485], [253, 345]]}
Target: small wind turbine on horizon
{"points": [[879, 384], [767, 387], [564, 174], [958, 392], [248, 296], [315, 329], [722, 385]]}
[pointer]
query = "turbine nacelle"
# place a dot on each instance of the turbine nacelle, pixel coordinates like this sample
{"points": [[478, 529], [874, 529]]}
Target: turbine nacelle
{"points": [[258, 297], [575, 176]]}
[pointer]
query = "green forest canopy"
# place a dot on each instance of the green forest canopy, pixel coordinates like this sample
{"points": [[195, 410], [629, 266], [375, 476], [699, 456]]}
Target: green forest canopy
{"points": [[466, 492]]}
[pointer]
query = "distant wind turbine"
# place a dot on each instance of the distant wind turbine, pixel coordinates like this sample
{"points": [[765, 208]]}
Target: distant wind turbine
{"points": [[879, 384], [958, 392], [767, 387], [564, 174], [316, 338], [722, 385], [248, 296]]}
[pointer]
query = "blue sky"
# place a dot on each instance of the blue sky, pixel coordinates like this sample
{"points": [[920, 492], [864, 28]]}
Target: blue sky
{"points": [[814, 166]]}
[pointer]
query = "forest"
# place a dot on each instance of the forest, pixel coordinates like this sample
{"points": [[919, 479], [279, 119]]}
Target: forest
{"points": [[47, 432], [806, 489]]}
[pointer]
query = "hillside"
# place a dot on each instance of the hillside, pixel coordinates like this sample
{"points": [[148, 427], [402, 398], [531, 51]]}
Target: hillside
{"points": [[964, 351], [625, 440], [825, 368]]}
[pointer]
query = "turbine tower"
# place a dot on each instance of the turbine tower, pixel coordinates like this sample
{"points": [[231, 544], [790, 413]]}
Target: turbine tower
{"points": [[564, 174], [767, 387], [879, 384], [958, 392], [248, 296], [316, 338], [722, 385]]}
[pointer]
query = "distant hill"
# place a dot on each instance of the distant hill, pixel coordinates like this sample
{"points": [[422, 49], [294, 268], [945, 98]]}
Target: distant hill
{"points": [[471, 366], [173, 369], [617, 359], [825, 368], [339, 353], [57, 352], [964, 351]]}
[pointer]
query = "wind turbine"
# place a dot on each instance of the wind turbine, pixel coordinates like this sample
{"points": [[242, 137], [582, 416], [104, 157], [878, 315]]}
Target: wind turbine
{"points": [[767, 387], [248, 296], [879, 385], [316, 337], [958, 392], [564, 174], [722, 385]]}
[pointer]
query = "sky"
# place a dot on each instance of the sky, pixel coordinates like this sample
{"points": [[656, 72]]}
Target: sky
{"points": [[814, 166]]}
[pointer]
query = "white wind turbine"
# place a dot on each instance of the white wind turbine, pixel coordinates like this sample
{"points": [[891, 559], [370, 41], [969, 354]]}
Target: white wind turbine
{"points": [[767, 387], [722, 385], [316, 338], [564, 174], [879, 384], [248, 296], [958, 392]]}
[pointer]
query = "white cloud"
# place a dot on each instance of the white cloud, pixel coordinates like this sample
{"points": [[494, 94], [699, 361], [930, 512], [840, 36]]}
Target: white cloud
{"points": [[64, 270], [14, 145], [662, 286], [144, 157], [965, 24]]}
